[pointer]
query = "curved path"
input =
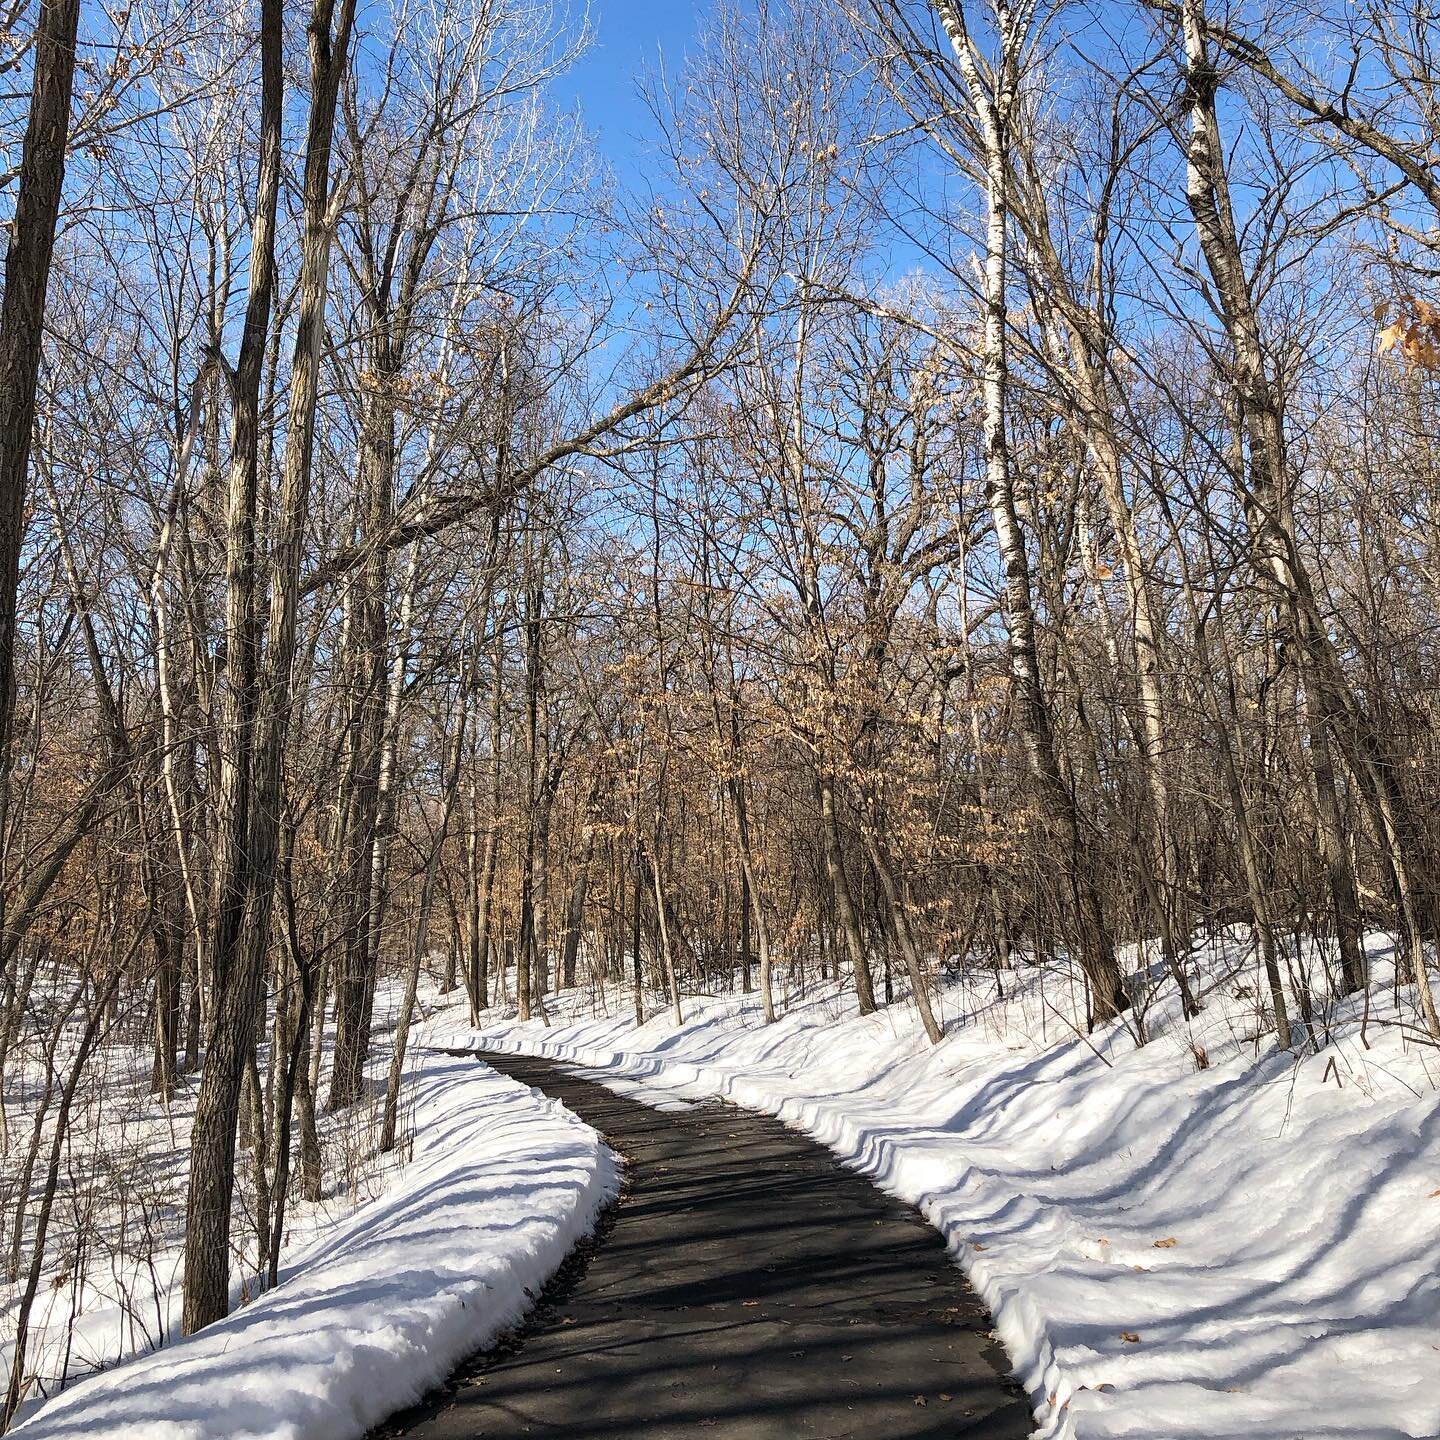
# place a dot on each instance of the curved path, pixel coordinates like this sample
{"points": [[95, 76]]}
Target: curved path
{"points": [[746, 1288]]}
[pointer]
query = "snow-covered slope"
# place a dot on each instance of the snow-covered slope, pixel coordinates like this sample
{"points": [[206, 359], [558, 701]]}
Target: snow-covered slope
{"points": [[502, 1182], [112, 1284], [1196, 1239]]}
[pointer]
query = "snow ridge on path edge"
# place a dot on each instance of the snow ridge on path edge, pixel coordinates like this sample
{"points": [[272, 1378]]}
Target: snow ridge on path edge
{"points": [[504, 1181], [706, 1060]]}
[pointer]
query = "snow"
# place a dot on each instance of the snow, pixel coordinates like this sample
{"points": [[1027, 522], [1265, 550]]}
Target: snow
{"points": [[390, 1296], [1195, 1239], [1199, 1238], [111, 1288]]}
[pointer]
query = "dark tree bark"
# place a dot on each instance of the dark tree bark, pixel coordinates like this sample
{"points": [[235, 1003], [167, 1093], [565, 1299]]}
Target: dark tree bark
{"points": [[22, 315], [248, 877]]}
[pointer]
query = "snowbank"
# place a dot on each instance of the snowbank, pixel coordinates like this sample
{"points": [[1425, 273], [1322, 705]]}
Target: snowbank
{"points": [[1197, 1239], [502, 1183], [111, 1287]]}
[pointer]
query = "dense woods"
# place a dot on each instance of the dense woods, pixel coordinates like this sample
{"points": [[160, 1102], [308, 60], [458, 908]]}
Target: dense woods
{"points": [[975, 507]]}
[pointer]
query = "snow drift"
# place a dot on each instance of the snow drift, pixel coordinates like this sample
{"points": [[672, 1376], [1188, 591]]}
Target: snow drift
{"points": [[1195, 1239], [502, 1183]]}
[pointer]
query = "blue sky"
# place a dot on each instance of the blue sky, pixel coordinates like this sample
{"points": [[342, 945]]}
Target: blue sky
{"points": [[630, 38]]}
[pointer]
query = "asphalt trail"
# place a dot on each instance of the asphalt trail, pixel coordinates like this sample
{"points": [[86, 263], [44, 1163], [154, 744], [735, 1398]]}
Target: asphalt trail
{"points": [[747, 1287]]}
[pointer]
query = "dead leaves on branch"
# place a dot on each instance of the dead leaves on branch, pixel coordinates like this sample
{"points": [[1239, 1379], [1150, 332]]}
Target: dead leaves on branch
{"points": [[1413, 335]]}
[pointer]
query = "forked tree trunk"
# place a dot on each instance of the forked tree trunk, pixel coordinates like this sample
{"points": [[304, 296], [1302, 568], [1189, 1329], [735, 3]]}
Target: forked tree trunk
{"points": [[231, 1010], [994, 98], [754, 900], [905, 936], [846, 918], [667, 947], [1080, 363], [248, 881]]}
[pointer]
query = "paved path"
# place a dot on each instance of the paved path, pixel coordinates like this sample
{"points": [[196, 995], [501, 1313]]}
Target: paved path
{"points": [[746, 1288]]}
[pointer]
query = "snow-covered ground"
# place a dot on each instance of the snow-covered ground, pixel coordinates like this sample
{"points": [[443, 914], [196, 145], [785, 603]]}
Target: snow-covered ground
{"points": [[386, 1286], [1197, 1239]]}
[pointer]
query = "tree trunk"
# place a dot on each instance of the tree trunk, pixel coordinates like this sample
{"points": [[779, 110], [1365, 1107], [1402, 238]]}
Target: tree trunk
{"points": [[1331, 706], [845, 916], [1055, 801], [575, 907], [909, 951], [417, 952], [22, 317], [242, 948], [212, 1136]]}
